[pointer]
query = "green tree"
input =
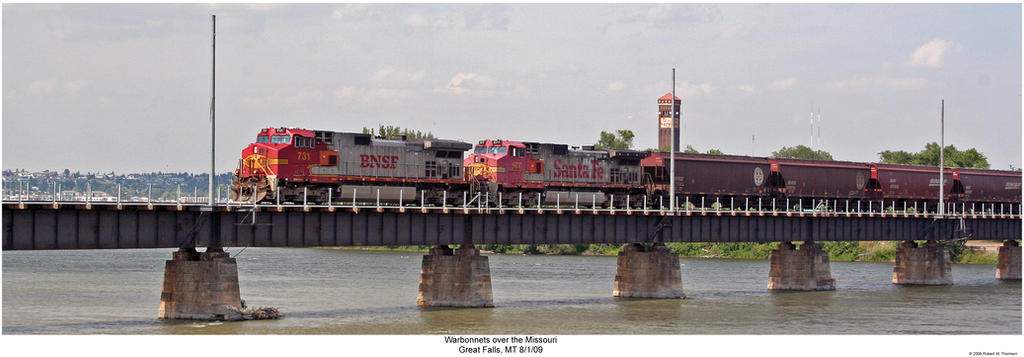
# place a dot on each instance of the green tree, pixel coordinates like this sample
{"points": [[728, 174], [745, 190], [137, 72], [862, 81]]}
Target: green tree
{"points": [[970, 158], [391, 131], [802, 152], [620, 140], [691, 150], [896, 157]]}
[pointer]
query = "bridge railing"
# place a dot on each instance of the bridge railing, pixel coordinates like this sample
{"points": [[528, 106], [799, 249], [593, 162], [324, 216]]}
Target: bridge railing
{"points": [[482, 204]]}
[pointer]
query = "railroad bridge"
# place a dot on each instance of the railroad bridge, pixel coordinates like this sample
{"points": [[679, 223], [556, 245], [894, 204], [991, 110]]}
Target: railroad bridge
{"points": [[204, 285]]}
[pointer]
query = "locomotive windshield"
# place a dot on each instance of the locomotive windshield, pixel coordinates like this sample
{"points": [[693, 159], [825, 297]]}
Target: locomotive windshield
{"points": [[480, 150], [498, 149], [262, 139], [280, 139]]}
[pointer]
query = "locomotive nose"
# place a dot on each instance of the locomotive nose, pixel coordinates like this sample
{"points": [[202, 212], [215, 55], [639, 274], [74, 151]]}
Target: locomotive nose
{"points": [[477, 170], [255, 161]]}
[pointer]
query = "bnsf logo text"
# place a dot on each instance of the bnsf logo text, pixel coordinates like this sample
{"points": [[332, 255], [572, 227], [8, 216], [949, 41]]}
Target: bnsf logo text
{"points": [[578, 171], [378, 161]]}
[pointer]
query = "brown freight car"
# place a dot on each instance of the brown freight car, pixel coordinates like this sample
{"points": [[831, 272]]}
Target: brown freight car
{"points": [[908, 183], [990, 186], [814, 179], [711, 176]]}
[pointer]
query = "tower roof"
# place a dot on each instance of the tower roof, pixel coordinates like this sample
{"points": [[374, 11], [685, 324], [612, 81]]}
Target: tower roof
{"points": [[667, 96]]}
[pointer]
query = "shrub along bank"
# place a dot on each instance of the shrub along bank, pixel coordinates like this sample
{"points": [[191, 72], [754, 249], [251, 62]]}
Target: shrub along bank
{"points": [[882, 251]]}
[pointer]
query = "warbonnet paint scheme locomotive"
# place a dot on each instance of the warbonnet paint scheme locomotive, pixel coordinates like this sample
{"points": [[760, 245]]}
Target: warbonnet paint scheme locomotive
{"points": [[292, 165], [530, 172], [298, 165]]}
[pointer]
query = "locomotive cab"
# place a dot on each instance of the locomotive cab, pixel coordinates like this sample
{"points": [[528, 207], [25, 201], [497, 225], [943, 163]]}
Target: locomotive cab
{"points": [[497, 161], [279, 155]]}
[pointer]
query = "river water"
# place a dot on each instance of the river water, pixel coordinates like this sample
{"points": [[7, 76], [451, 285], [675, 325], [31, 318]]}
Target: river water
{"points": [[323, 291]]}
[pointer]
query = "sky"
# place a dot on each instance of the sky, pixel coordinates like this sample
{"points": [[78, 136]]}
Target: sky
{"points": [[126, 87]]}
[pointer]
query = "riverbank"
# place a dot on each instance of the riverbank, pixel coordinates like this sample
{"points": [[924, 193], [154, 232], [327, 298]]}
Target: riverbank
{"points": [[880, 251]]}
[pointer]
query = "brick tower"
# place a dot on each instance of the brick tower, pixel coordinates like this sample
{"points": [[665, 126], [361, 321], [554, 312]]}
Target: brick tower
{"points": [[665, 124]]}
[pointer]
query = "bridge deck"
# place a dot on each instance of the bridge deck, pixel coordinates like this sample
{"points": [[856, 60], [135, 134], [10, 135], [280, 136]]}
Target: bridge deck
{"points": [[112, 226]]}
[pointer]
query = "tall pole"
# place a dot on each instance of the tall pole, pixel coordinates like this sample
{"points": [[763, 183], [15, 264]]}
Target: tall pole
{"points": [[213, 96], [942, 156], [672, 148]]}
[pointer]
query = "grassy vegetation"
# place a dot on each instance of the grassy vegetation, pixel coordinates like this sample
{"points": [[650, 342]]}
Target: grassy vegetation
{"points": [[875, 252], [389, 248], [882, 251], [724, 250]]}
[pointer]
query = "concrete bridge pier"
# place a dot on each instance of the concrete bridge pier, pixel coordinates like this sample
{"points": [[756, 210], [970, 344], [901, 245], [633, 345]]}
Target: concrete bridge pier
{"points": [[801, 269], [653, 273], [460, 278], [200, 286], [1008, 266], [928, 264]]}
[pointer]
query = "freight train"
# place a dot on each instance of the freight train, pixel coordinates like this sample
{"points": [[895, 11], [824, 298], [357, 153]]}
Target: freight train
{"points": [[298, 165]]}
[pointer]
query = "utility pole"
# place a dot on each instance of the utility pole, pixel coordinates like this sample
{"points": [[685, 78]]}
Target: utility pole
{"points": [[213, 96], [942, 157], [672, 149]]}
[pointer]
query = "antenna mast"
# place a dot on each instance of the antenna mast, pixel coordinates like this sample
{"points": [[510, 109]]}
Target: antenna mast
{"points": [[942, 156], [819, 128], [672, 149], [812, 127]]}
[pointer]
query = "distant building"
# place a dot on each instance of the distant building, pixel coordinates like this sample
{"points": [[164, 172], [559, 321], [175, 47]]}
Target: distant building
{"points": [[665, 122]]}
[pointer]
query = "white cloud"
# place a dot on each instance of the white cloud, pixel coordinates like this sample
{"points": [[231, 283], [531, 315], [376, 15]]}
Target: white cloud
{"points": [[690, 90], [462, 83], [349, 11], [746, 88], [615, 87], [73, 87], [684, 90], [383, 73], [874, 82], [659, 12], [930, 54], [455, 84], [783, 84], [43, 86]]}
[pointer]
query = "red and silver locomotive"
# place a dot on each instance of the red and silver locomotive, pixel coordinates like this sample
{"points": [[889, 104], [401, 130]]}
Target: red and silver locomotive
{"points": [[554, 173], [297, 165]]}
